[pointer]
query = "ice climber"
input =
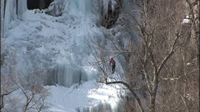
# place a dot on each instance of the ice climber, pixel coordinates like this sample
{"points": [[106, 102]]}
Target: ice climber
{"points": [[112, 63]]}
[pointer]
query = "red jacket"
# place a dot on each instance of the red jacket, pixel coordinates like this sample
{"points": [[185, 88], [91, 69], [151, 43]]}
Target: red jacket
{"points": [[112, 61]]}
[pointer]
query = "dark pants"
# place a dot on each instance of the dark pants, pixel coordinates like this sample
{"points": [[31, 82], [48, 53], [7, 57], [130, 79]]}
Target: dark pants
{"points": [[113, 68]]}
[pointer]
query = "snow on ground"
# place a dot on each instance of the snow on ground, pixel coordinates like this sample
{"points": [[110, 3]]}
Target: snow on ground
{"points": [[63, 99]]}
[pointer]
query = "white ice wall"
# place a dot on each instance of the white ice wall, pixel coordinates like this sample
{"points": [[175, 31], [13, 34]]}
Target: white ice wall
{"points": [[11, 10]]}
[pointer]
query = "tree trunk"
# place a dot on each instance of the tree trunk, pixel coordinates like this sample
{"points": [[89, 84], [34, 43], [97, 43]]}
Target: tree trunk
{"points": [[152, 102]]}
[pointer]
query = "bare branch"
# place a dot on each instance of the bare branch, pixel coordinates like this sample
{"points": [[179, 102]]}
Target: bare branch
{"points": [[169, 54], [130, 89]]}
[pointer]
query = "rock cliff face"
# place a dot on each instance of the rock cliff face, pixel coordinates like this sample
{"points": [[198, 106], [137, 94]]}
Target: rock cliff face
{"points": [[38, 4]]}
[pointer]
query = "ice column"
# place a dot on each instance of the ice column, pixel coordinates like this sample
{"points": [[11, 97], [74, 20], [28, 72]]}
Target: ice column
{"points": [[105, 5], [69, 74], [81, 7], [11, 10]]}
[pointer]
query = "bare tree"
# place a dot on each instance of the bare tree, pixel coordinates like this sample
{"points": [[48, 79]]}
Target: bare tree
{"points": [[34, 94], [161, 56], [20, 92], [6, 89]]}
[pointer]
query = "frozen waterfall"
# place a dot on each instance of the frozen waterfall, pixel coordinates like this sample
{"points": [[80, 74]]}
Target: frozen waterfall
{"points": [[59, 46]]}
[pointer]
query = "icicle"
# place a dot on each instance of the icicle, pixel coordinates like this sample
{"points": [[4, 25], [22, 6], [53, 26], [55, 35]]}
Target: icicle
{"points": [[68, 75], [10, 12], [105, 6], [80, 7], [12, 9], [21, 8], [113, 5], [84, 6]]}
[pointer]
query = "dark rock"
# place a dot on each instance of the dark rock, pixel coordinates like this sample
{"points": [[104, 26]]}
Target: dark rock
{"points": [[112, 15]]}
